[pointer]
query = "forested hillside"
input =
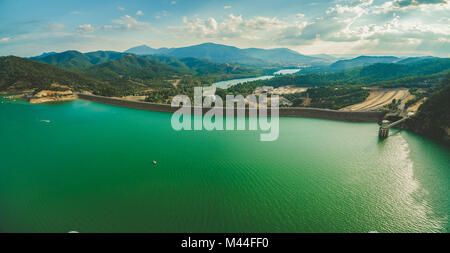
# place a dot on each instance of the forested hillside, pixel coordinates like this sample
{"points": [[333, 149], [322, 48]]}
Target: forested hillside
{"points": [[433, 117], [416, 73], [18, 74]]}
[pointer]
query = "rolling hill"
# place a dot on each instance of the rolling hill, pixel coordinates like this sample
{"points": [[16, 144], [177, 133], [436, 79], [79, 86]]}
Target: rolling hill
{"points": [[108, 65], [362, 61], [74, 60], [229, 54], [282, 56], [214, 52], [132, 67], [18, 74], [433, 119], [146, 50], [45, 54], [417, 73], [206, 67]]}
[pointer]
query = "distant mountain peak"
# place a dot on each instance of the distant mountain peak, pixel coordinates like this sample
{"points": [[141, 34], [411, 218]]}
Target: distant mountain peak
{"points": [[45, 54], [141, 47], [362, 60], [374, 57], [231, 54], [142, 50]]}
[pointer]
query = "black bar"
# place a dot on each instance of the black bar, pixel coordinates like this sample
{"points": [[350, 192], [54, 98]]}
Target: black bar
{"points": [[149, 242]]}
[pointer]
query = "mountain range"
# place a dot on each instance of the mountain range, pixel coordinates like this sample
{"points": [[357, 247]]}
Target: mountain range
{"points": [[112, 73], [18, 74], [411, 72], [230, 54], [277, 57], [251, 57], [362, 61], [120, 64], [74, 60], [109, 72]]}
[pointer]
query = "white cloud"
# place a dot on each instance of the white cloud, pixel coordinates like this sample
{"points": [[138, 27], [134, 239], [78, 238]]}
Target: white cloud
{"points": [[86, 28], [344, 26], [203, 27], [336, 23], [129, 23], [361, 27], [232, 26], [405, 5], [353, 25]]}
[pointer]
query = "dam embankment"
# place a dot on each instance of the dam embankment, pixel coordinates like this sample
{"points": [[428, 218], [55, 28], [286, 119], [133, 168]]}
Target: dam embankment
{"points": [[283, 112]]}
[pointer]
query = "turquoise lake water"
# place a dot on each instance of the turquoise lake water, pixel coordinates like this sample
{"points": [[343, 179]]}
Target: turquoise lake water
{"points": [[88, 167]]}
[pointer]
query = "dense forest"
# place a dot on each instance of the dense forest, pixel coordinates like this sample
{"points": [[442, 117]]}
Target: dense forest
{"points": [[423, 72], [433, 117], [114, 74], [160, 77], [18, 74], [74, 60], [102, 64], [329, 97]]}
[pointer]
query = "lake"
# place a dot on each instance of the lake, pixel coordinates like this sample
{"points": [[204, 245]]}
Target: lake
{"points": [[88, 167]]}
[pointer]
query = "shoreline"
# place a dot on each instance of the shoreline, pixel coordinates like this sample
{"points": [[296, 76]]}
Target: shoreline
{"points": [[349, 116]]}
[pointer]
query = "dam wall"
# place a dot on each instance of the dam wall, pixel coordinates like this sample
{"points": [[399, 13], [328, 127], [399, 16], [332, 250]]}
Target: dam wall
{"points": [[352, 116]]}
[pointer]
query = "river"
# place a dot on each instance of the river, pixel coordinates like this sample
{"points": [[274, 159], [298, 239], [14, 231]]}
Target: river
{"points": [[88, 167], [229, 83]]}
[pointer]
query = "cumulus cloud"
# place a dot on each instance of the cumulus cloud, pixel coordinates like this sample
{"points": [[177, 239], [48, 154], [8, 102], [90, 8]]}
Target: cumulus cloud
{"points": [[86, 28], [356, 25], [129, 23], [344, 26], [124, 23], [335, 25], [364, 27], [231, 27], [402, 5]]}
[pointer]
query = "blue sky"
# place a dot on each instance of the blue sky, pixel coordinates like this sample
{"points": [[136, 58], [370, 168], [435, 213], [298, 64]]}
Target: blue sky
{"points": [[371, 27]]}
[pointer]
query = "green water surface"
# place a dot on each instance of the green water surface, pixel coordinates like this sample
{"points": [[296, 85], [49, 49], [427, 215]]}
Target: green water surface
{"points": [[88, 167]]}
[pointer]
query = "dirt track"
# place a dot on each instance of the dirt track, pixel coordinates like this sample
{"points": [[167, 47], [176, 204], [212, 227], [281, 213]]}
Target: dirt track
{"points": [[377, 99]]}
